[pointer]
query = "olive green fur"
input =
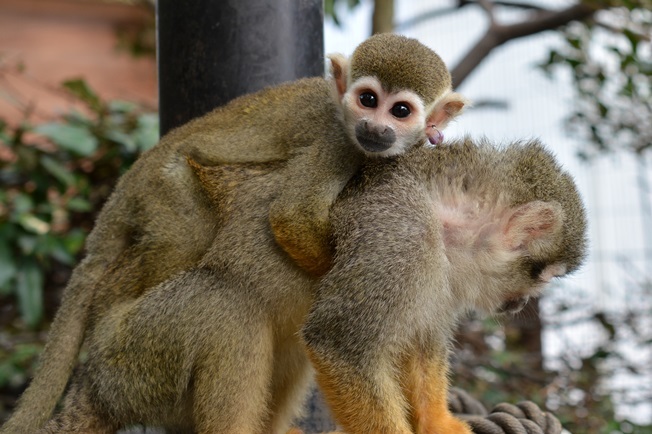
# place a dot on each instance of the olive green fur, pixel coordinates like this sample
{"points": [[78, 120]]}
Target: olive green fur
{"points": [[401, 63]]}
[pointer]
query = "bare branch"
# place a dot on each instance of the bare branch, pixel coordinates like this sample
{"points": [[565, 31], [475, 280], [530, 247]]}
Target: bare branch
{"points": [[620, 30], [488, 7], [437, 13], [382, 20], [518, 5], [497, 35]]}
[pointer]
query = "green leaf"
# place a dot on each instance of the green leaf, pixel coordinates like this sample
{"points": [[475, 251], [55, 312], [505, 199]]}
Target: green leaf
{"points": [[59, 252], [128, 142], [7, 267], [79, 119], [14, 365], [33, 224], [633, 39], [27, 244], [79, 204], [57, 170], [147, 131], [23, 203], [29, 290], [121, 106], [77, 139], [74, 241], [81, 90]]}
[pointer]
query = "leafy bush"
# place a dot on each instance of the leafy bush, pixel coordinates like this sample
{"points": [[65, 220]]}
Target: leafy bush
{"points": [[54, 178]]}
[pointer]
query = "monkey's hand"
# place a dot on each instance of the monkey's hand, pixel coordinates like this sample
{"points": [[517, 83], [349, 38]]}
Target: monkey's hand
{"points": [[523, 418], [303, 236]]}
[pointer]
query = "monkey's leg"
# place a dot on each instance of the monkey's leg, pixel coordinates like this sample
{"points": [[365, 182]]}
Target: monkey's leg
{"points": [[292, 378], [425, 385], [78, 415], [299, 217], [231, 391], [363, 400]]}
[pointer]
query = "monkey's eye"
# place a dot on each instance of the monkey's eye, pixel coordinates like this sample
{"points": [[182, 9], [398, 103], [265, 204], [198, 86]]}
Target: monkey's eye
{"points": [[400, 110], [368, 99], [536, 268]]}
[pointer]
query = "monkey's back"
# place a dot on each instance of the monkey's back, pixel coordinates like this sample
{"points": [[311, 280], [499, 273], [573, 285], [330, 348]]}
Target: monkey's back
{"points": [[164, 217], [474, 177]]}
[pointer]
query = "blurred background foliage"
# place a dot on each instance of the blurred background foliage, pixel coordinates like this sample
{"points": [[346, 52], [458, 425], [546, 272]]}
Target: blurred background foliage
{"points": [[56, 175]]}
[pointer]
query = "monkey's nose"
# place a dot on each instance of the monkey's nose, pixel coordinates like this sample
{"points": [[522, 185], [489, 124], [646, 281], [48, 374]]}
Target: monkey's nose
{"points": [[514, 305]]}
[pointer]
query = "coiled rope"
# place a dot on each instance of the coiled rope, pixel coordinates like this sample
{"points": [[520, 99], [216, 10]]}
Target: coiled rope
{"points": [[523, 418]]}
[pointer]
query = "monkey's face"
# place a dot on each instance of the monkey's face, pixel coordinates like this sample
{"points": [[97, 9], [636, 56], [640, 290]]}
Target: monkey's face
{"points": [[506, 287], [501, 256], [534, 277], [383, 123]]}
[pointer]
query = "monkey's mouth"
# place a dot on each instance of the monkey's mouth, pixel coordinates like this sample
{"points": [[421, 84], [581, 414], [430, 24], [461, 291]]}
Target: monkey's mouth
{"points": [[373, 139], [513, 305], [373, 144]]}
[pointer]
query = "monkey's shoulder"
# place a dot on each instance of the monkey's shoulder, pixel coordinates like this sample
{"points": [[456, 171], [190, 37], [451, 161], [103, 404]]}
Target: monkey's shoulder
{"points": [[263, 126], [290, 97]]}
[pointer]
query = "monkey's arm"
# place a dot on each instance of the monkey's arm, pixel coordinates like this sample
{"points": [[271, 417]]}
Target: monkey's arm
{"points": [[299, 217], [379, 350]]}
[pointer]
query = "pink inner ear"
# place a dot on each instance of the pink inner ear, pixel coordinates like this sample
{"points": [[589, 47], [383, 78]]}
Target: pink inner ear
{"points": [[439, 117], [443, 113], [338, 72], [531, 222]]}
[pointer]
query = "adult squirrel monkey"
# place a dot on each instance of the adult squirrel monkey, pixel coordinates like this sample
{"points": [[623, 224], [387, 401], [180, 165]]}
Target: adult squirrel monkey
{"points": [[418, 243]]}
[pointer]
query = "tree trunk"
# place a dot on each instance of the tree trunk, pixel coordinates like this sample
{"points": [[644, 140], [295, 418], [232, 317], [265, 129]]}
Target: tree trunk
{"points": [[382, 20]]}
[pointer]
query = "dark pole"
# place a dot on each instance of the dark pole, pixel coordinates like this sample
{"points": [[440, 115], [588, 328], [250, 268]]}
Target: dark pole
{"points": [[211, 51]]}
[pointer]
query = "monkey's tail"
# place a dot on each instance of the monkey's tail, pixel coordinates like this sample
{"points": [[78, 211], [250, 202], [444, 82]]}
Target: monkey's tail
{"points": [[59, 357]]}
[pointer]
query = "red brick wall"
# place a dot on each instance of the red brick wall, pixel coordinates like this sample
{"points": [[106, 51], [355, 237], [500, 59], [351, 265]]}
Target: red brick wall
{"points": [[56, 40]]}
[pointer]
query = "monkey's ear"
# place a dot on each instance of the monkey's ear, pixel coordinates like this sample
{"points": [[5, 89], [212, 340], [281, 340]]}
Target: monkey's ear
{"points": [[446, 109], [533, 226], [339, 71]]}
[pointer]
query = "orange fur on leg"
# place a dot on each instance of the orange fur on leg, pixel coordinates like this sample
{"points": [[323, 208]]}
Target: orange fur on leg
{"points": [[426, 388], [361, 405]]}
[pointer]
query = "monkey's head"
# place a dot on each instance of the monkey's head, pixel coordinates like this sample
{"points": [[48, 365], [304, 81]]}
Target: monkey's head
{"points": [[504, 256], [395, 93], [510, 224]]}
